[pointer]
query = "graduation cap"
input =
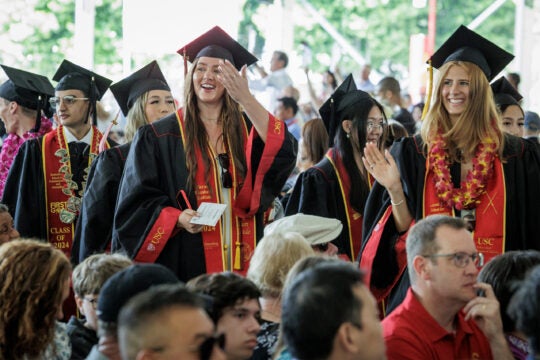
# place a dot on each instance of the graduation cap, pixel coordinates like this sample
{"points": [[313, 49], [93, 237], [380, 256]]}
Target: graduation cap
{"points": [[466, 45], [74, 77], [127, 90], [504, 93], [217, 43], [29, 90], [344, 98]]}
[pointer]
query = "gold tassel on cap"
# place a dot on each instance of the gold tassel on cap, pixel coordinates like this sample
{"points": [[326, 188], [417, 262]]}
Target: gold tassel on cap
{"points": [[430, 90], [238, 255]]}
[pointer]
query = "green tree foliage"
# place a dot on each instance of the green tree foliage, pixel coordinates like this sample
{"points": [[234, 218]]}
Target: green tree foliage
{"points": [[38, 40], [381, 29]]}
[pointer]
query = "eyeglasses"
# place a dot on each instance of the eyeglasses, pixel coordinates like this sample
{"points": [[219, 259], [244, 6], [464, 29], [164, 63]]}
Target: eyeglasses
{"points": [[207, 346], [224, 162], [371, 126], [93, 302], [68, 100], [462, 259]]}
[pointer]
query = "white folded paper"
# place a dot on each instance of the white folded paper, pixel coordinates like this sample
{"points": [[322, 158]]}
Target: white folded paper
{"points": [[210, 214]]}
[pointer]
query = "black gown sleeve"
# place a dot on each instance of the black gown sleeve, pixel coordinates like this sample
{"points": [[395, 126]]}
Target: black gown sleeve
{"points": [[93, 232]]}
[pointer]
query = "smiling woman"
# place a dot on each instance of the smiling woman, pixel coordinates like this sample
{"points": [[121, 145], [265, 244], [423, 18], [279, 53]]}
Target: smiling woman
{"points": [[461, 164], [221, 130]]}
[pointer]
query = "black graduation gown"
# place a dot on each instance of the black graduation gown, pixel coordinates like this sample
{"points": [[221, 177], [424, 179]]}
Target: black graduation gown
{"points": [[24, 193], [155, 172], [522, 179], [93, 232], [317, 192]]}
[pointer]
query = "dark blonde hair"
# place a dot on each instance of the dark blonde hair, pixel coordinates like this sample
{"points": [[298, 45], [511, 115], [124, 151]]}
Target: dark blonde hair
{"points": [[32, 280], [136, 117], [90, 275], [274, 256], [479, 121], [196, 136]]}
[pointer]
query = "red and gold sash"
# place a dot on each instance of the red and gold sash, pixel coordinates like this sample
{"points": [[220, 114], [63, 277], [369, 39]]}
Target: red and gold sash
{"points": [[490, 229], [243, 232], [60, 197], [354, 218]]}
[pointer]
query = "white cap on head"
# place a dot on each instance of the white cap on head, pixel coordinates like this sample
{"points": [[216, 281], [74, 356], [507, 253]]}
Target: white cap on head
{"points": [[315, 229]]}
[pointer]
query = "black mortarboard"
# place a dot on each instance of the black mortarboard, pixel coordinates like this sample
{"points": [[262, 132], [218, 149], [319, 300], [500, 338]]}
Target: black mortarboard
{"points": [[27, 89], [333, 109], [127, 90], [504, 93], [466, 45], [218, 44], [127, 283], [74, 77]]}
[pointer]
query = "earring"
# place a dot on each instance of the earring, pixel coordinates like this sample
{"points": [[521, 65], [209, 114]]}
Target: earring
{"points": [[348, 135]]}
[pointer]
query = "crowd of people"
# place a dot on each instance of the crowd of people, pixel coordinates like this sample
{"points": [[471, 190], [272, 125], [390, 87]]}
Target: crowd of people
{"points": [[235, 227]]}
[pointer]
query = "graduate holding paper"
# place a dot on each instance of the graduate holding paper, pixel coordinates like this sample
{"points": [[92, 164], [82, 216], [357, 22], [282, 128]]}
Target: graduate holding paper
{"points": [[208, 151]]}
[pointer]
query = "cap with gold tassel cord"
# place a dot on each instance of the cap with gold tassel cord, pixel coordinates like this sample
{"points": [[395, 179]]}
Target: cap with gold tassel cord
{"points": [[466, 45]]}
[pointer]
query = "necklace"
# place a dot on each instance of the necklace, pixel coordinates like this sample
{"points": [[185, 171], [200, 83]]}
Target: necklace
{"points": [[73, 204], [474, 186]]}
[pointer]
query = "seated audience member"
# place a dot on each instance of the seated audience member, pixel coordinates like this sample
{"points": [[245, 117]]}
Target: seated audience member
{"points": [[388, 93], [7, 229], [328, 313], [282, 353], [395, 131], [317, 230], [88, 277], [34, 284], [312, 146], [286, 110], [235, 310], [274, 255], [531, 126], [442, 317], [114, 294], [524, 309], [168, 322], [503, 272], [417, 111]]}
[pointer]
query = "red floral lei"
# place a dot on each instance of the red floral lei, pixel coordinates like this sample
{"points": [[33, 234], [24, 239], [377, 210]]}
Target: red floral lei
{"points": [[468, 195]]}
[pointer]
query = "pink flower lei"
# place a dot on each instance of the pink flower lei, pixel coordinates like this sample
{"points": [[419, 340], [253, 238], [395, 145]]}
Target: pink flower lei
{"points": [[468, 195], [11, 146]]}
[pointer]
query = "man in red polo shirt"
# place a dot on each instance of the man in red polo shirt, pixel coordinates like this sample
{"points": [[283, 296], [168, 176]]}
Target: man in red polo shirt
{"points": [[442, 317]]}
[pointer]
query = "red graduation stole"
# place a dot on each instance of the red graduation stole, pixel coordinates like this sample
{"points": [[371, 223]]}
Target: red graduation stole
{"points": [[490, 229], [243, 232], [62, 199], [354, 218]]}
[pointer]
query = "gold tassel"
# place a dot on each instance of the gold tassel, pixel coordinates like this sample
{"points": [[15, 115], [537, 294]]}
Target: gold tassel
{"points": [[237, 255], [430, 90]]}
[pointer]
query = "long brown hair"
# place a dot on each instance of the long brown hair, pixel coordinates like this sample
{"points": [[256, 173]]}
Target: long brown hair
{"points": [[315, 139], [32, 279], [196, 135], [479, 121]]}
